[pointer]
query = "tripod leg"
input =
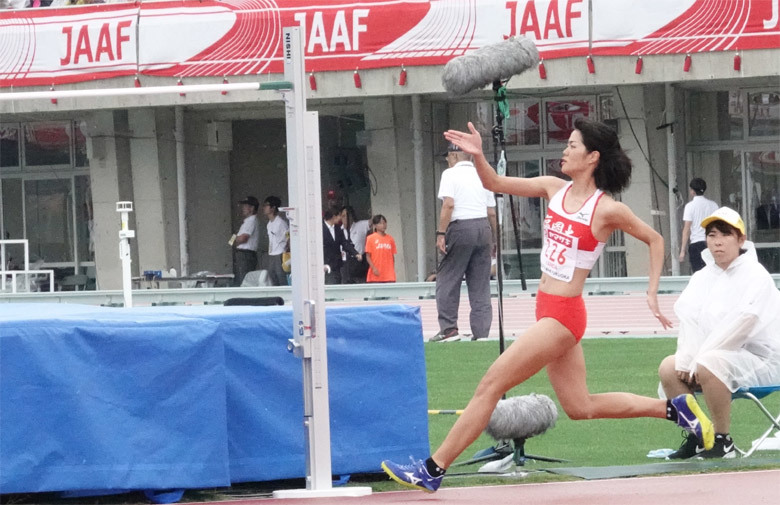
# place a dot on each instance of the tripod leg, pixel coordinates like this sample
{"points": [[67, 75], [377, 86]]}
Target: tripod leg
{"points": [[517, 242], [521, 457]]}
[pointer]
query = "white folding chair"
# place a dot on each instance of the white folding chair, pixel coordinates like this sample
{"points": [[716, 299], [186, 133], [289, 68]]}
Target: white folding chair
{"points": [[74, 283], [256, 278], [755, 394]]}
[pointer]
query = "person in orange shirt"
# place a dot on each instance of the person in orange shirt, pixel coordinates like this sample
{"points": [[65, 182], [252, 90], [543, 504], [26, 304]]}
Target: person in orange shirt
{"points": [[380, 253]]}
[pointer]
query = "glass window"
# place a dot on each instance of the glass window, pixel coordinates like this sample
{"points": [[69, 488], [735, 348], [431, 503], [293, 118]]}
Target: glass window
{"points": [[764, 114], [46, 144], [716, 115], [13, 224], [764, 226], [523, 127], [614, 255], [49, 213], [84, 219], [527, 220], [527, 210], [9, 146], [552, 166], [764, 177], [607, 107], [80, 146], [560, 117]]}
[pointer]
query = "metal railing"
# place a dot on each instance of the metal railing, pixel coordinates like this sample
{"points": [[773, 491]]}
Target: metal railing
{"points": [[26, 274], [335, 294]]}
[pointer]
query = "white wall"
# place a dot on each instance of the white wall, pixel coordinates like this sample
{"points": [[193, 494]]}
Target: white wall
{"points": [[639, 196], [109, 156], [209, 202]]}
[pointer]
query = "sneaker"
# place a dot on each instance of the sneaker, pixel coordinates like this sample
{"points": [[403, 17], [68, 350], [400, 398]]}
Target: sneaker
{"points": [[446, 336], [415, 475], [723, 448], [687, 447], [691, 418]]}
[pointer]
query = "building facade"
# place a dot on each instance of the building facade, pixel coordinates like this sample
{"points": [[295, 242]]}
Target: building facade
{"points": [[688, 98]]}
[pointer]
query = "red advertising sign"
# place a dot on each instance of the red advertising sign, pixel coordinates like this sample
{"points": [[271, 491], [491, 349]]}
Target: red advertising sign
{"points": [[243, 37]]}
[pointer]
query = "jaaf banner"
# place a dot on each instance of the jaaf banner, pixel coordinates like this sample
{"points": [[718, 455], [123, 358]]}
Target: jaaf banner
{"points": [[243, 37]]}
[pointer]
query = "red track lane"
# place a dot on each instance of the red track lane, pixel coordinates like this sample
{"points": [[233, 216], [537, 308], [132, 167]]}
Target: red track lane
{"points": [[748, 488], [618, 315]]}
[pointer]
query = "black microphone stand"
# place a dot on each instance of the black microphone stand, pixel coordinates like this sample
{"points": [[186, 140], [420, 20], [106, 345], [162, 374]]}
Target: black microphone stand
{"points": [[504, 447], [499, 157]]}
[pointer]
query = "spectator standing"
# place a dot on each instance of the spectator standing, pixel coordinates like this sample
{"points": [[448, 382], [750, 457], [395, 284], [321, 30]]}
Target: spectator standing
{"points": [[246, 240], [277, 240], [380, 252], [465, 238], [333, 242], [695, 211], [353, 270]]}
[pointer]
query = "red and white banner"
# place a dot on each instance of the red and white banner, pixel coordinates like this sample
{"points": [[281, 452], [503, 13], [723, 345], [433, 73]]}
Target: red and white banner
{"points": [[243, 37]]}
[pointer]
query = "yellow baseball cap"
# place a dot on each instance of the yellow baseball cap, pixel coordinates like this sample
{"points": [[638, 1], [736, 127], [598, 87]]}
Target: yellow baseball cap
{"points": [[726, 215]]}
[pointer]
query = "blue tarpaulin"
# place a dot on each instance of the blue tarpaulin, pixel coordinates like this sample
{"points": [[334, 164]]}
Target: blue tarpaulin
{"points": [[192, 397]]}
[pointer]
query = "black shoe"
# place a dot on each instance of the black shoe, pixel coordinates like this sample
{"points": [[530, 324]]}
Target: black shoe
{"points": [[687, 448], [450, 335], [723, 448]]}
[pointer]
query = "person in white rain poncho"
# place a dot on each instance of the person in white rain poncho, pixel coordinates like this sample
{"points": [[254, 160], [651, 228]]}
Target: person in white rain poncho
{"points": [[729, 330]]}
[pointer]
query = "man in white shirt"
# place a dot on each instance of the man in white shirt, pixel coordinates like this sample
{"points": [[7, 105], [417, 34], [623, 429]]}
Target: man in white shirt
{"points": [[465, 238], [695, 211], [246, 240], [277, 240]]}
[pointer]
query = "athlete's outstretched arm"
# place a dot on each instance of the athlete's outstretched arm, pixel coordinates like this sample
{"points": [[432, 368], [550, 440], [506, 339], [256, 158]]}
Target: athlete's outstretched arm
{"points": [[620, 217], [471, 143]]}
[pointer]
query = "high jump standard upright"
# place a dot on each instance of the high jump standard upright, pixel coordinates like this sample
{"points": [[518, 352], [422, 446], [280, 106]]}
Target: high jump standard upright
{"points": [[308, 280], [304, 186]]}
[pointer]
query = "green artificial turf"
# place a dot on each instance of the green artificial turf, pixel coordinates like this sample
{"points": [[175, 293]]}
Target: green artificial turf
{"points": [[624, 364]]}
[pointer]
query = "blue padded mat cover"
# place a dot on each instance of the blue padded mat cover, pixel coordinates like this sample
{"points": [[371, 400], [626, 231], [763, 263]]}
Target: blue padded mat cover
{"points": [[99, 398], [148, 398], [377, 386]]}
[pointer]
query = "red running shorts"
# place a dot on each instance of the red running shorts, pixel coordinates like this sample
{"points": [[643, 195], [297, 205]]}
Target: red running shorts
{"points": [[569, 311]]}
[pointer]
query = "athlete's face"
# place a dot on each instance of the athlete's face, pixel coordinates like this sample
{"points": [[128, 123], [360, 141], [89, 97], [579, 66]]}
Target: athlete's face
{"points": [[576, 156]]}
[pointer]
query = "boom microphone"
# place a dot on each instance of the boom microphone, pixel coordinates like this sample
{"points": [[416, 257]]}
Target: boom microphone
{"points": [[522, 417], [490, 63]]}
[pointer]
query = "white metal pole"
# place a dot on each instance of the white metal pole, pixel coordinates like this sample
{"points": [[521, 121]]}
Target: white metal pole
{"points": [[308, 278], [418, 187], [181, 186], [671, 161], [125, 234], [151, 90]]}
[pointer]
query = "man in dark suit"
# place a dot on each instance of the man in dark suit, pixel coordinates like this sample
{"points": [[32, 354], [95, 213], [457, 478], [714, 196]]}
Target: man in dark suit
{"points": [[333, 243]]}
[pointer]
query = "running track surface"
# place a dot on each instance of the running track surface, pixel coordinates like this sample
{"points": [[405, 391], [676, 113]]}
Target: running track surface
{"points": [[608, 315], [748, 488]]}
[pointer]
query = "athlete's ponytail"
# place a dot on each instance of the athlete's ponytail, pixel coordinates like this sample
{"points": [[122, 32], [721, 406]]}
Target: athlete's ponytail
{"points": [[613, 173]]}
